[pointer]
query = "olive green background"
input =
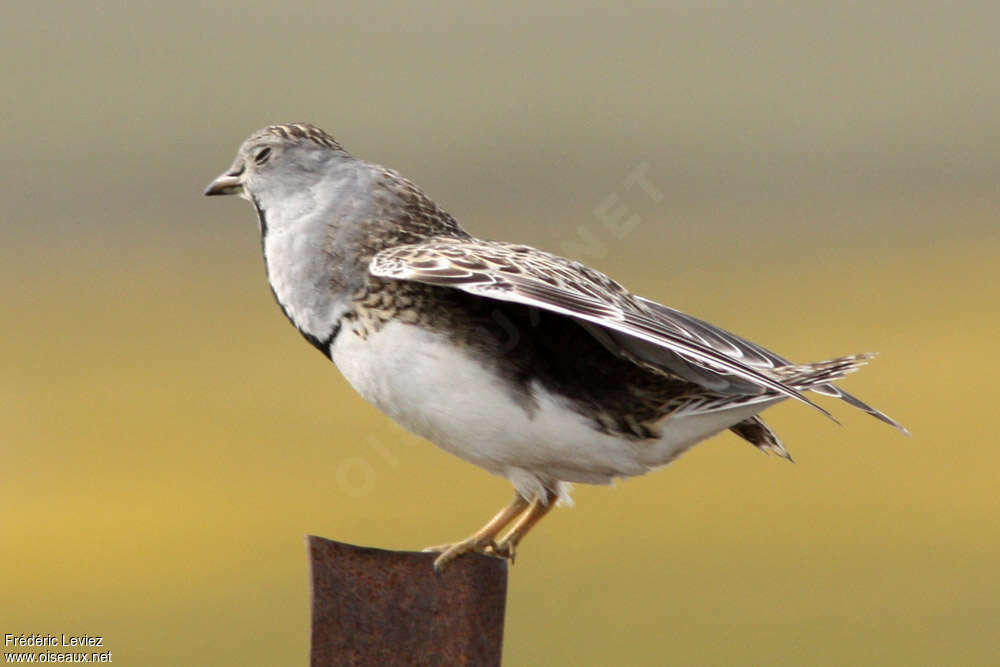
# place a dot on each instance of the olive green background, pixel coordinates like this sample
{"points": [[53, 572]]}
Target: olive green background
{"points": [[829, 178]]}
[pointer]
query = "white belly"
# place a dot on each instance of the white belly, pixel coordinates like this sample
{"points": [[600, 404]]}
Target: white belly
{"points": [[436, 390]]}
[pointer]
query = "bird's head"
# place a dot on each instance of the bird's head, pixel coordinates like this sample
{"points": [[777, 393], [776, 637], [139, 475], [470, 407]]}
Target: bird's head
{"points": [[278, 161]]}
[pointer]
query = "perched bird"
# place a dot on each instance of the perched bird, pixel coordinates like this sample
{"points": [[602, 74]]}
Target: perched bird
{"points": [[532, 366]]}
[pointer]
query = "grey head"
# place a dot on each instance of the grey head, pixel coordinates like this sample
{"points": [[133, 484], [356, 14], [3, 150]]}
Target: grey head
{"points": [[297, 175], [305, 188], [323, 214], [279, 162]]}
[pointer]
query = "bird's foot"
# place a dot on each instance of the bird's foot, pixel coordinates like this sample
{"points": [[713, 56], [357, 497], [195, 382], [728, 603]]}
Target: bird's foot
{"points": [[505, 548], [449, 552], [484, 540]]}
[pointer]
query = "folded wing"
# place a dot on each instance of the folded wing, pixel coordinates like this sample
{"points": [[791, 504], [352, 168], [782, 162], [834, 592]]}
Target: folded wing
{"points": [[649, 334]]}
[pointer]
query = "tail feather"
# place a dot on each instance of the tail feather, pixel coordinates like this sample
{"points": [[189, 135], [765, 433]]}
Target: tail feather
{"points": [[809, 376], [760, 435], [818, 376]]}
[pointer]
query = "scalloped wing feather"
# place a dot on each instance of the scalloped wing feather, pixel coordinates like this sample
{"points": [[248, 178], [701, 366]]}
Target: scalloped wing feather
{"points": [[521, 274]]}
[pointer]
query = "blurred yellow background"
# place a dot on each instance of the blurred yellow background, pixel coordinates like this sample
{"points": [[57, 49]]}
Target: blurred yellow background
{"points": [[830, 177]]}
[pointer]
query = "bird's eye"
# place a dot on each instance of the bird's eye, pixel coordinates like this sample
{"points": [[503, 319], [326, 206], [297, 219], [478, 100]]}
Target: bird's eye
{"points": [[260, 157]]}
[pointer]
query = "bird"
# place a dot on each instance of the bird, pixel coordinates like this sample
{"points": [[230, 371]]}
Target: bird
{"points": [[532, 366]]}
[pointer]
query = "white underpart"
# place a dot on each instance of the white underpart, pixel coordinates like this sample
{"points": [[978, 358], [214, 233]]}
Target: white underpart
{"points": [[436, 390]]}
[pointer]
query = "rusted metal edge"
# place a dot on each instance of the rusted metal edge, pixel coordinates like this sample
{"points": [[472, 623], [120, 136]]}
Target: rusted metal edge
{"points": [[377, 607]]}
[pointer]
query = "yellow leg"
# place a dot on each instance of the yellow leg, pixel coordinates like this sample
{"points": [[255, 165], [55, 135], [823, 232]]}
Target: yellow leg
{"points": [[482, 540], [507, 546]]}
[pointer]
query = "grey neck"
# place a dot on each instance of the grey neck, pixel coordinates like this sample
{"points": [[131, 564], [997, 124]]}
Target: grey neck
{"points": [[309, 252], [319, 237]]}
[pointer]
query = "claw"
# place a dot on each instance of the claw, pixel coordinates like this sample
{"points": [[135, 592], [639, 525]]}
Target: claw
{"points": [[503, 550], [520, 512], [450, 552], [484, 541]]}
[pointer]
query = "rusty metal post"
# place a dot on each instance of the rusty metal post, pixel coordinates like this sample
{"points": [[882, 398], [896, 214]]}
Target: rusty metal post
{"points": [[376, 607]]}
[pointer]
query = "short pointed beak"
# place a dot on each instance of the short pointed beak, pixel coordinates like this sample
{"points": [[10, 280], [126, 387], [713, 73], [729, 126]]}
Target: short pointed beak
{"points": [[229, 183]]}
